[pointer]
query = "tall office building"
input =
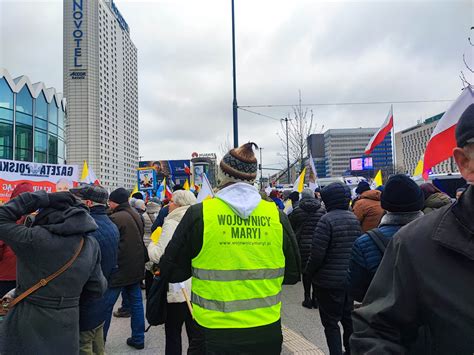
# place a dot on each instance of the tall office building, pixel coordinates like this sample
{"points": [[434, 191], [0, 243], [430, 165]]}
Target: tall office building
{"points": [[100, 84], [343, 144], [411, 145]]}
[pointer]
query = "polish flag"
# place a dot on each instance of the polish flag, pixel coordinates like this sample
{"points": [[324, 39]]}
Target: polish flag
{"points": [[380, 135], [443, 139]]}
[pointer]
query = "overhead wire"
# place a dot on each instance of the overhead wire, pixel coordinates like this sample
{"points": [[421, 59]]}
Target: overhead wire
{"points": [[344, 104]]}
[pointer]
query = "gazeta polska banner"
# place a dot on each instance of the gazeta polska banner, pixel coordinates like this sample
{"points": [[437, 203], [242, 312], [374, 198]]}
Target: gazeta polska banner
{"points": [[48, 177]]}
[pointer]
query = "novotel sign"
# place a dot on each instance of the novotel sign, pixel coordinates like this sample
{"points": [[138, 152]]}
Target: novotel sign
{"points": [[77, 35]]}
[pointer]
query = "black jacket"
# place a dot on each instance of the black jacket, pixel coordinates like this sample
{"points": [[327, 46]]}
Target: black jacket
{"points": [[304, 219], [131, 254], [333, 239], [426, 278]]}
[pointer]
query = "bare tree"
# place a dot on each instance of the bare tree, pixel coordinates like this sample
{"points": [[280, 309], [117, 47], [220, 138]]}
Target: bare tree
{"points": [[464, 80], [225, 146], [300, 126]]}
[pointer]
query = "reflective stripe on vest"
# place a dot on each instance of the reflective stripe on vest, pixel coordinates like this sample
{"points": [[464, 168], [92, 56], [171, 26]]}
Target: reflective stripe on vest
{"points": [[238, 273], [232, 275], [234, 306]]}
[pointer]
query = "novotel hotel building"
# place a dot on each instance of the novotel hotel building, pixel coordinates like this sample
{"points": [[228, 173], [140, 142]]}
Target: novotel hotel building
{"points": [[32, 121], [100, 84]]}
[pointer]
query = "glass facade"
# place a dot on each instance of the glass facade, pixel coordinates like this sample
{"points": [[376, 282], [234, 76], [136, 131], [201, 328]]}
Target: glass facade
{"points": [[31, 129]]}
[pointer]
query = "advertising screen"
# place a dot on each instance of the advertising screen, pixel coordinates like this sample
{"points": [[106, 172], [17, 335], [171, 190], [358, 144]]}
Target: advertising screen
{"points": [[359, 164]]}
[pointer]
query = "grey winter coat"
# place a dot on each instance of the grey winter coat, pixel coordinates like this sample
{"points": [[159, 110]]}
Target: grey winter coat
{"points": [[47, 322], [426, 278]]}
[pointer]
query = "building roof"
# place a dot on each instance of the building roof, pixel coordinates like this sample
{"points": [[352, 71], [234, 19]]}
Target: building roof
{"points": [[425, 122], [17, 84]]}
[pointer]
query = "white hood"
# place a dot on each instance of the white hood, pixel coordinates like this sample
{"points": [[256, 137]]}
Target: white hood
{"points": [[241, 197]]}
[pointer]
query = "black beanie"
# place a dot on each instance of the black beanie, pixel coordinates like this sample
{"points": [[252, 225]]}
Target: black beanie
{"points": [[402, 194], [119, 196], [362, 187]]}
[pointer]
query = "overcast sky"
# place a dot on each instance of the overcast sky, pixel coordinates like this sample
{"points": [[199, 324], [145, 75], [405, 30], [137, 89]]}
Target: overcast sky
{"points": [[333, 51]]}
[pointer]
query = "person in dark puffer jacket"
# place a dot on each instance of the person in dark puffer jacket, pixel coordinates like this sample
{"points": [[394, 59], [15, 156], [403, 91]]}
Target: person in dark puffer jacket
{"points": [[403, 201], [304, 219], [328, 263]]}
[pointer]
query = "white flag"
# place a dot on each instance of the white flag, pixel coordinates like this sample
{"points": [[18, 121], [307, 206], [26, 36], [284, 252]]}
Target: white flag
{"points": [[313, 175], [206, 189]]}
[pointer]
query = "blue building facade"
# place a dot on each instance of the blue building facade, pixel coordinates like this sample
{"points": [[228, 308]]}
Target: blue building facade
{"points": [[32, 121]]}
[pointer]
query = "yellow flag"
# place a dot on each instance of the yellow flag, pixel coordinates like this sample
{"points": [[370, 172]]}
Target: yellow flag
{"points": [[378, 179], [299, 183], [186, 185], [135, 189], [85, 171], [419, 169], [155, 236]]}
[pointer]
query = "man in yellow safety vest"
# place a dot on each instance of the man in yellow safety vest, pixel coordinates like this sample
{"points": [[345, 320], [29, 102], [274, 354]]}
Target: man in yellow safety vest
{"points": [[239, 250]]}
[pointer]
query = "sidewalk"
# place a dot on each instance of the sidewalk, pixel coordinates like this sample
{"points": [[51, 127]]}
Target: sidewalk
{"points": [[302, 330]]}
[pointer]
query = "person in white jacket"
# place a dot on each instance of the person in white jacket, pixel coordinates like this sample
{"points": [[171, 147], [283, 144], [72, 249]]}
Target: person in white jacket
{"points": [[177, 309]]}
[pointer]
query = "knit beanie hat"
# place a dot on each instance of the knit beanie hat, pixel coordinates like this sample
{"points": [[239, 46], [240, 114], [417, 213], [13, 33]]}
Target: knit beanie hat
{"points": [[362, 187], [307, 193], [20, 188], [402, 194], [238, 165], [119, 195]]}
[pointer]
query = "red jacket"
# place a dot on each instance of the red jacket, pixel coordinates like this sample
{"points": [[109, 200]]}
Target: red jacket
{"points": [[7, 257], [7, 263]]}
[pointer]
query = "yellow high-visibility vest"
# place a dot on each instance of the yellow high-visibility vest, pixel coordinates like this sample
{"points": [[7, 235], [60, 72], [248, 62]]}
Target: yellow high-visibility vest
{"points": [[237, 275]]}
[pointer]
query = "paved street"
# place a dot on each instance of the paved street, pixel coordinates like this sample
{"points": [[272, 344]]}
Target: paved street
{"points": [[304, 322]]}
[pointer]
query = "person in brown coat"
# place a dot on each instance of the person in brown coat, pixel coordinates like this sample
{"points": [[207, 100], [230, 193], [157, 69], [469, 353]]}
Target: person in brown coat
{"points": [[368, 210]]}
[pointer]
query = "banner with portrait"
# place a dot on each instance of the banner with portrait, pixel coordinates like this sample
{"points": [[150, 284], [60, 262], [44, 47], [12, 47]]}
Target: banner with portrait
{"points": [[48, 177]]}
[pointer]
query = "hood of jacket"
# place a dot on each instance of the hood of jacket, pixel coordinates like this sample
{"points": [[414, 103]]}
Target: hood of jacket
{"points": [[177, 214], [437, 200], [309, 205], [336, 196], [242, 198], [371, 195], [74, 220]]}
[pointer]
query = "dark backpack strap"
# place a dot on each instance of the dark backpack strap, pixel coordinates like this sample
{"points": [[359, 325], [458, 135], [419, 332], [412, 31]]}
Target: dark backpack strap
{"points": [[379, 239]]}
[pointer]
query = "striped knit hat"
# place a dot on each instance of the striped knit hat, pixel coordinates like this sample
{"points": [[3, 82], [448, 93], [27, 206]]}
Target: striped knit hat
{"points": [[238, 165]]}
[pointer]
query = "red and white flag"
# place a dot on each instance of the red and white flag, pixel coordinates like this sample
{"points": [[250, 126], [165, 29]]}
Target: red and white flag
{"points": [[443, 139], [380, 135]]}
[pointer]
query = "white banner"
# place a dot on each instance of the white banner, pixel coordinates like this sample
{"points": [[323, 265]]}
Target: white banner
{"points": [[49, 177]]}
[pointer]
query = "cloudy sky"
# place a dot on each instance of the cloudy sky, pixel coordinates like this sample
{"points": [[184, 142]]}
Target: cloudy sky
{"points": [[333, 51]]}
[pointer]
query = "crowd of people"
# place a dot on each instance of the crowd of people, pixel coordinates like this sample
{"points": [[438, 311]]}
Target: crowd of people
{"points": [[393, 267]]}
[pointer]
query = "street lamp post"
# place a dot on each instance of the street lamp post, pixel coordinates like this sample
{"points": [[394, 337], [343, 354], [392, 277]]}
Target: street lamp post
{"points": [[234, 102], [287, 151]]}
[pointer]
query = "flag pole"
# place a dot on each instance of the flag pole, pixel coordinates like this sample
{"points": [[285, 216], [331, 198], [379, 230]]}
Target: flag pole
{"points": [[394, 148]]}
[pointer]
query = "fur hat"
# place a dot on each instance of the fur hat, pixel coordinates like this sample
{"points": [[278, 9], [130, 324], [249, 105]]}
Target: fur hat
{"points": [[238, 165]]}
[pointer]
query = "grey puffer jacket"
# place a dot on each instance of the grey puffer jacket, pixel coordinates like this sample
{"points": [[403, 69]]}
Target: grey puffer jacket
{"points": [[333, 239], [47, 322], [304, 219]]}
